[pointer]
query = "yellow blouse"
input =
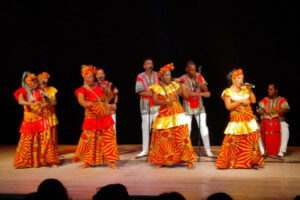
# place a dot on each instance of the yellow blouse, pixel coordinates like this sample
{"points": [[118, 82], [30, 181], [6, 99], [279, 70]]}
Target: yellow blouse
{"points": [[242, 119], [168, 116]]}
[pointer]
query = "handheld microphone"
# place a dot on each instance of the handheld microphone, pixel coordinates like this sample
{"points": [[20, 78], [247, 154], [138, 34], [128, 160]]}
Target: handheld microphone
{"points": [[249, 85], [43, 93], [150, 69], [200, 68]]}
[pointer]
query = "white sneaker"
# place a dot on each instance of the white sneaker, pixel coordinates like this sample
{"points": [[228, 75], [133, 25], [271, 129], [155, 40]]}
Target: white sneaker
{"points": [[143, 153], [209, 154], [280, 154]]}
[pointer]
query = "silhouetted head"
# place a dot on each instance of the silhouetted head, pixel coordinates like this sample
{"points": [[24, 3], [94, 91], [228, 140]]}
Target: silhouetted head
{"points": [[112, 191], [52, 189], [170, 196], [219, 196]]}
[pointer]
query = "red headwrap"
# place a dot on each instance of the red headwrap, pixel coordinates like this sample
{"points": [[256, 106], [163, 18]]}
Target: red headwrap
{"points": [[168, 67], [30, 78], [86, 69]]}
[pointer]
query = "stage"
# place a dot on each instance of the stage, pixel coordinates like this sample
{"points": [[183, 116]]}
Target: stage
{"points": [[278, 180]]}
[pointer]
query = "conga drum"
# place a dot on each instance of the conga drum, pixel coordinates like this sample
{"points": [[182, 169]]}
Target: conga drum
{"points": [[271, 135]]}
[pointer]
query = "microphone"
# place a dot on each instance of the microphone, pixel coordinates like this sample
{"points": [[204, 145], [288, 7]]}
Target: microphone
{"points": [[150, 69], [249, 85], [100, 78], [200, 67], [44, 94]]}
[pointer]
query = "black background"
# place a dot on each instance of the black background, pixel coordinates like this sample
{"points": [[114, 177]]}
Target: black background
{"points": [[260, 37]]}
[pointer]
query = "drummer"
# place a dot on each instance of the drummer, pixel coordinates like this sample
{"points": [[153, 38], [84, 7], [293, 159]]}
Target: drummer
{"points": [[276, 106]]}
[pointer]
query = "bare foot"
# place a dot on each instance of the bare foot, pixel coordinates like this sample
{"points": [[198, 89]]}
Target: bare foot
{"points": [[190, 165], [113, 165], [54, 166], [85, 165], [158, 166], [257, 167]]}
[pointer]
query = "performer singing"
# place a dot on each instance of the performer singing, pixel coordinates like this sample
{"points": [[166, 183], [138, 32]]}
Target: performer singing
{"points": [[240, 148], [276, 105], [148, 109], [193, 105], [37, 145], [113, 99], [97, 144], [170, 141], [50, 101]]}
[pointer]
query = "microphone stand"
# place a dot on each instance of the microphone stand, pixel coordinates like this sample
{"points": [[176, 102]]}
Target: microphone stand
{"points": [[199, 121], [149, 123]]}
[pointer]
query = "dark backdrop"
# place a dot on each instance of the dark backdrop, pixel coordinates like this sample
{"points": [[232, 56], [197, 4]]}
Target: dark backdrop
{"points": [[42, 35]]}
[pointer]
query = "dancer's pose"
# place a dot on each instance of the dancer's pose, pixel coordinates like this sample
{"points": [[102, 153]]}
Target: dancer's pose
{"points": [[148, 109], [193, 105], [97, 144], [240, 148], [170, 141], [37, 145]]}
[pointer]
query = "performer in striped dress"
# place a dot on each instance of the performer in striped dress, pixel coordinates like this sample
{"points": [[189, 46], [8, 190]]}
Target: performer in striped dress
{"points": [[240, 148], [37, 145], [98, 143]]}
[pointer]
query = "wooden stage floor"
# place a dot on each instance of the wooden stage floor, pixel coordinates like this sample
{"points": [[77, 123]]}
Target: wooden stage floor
{"points": [[278, 180]]}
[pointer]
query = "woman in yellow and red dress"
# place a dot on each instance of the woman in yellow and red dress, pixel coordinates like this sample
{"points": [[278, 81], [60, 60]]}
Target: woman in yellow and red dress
{"points": [[36, 147], [170, 141], [98, 143], [240, 148], [50, 101]]}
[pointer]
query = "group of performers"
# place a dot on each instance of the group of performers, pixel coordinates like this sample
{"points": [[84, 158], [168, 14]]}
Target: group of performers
{"points": [[161, 112]]}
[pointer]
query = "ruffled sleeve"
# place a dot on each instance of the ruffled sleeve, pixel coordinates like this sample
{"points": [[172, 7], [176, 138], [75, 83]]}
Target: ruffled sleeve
{"points": [[154, 89], [225, 93], [52, 91], [80, 90], [18, 92]]}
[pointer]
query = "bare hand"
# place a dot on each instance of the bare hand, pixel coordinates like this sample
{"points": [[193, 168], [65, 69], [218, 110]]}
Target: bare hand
{"points": [[112, 107], [177, 80], [115, 91], [36, 103], [88, 104], [245, 102]]}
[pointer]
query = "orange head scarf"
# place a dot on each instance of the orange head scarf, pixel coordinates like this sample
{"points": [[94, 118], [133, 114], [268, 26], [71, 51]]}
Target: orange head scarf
{"points": [[29, 79], [86, 69], [42, 75], [168, 67], [236, 73]]}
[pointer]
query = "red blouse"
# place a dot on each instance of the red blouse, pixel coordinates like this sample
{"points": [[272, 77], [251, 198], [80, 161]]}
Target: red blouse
{"points": [[33, 120], [96, 122]]}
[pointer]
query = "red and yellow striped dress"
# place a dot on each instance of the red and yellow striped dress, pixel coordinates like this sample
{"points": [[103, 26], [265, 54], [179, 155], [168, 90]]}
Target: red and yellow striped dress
{"points": [[240, 148], [170, 140], [98, 143], [37, 145]]}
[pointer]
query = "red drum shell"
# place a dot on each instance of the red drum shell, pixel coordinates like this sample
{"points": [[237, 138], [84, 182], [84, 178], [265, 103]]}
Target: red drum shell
{"points": [[271, 135]]}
